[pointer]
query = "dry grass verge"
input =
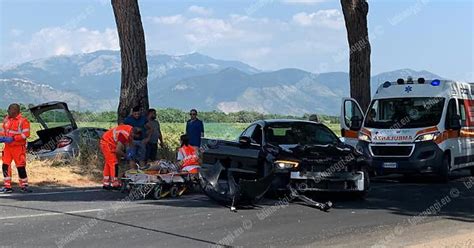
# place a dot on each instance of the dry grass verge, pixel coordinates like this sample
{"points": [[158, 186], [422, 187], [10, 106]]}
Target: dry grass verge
{"points": [[49, 174], [83, 171]]}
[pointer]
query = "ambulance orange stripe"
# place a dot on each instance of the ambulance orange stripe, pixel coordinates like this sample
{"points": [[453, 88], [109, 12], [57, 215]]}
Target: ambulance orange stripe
{"points": [[350, 134], [449, 134]]}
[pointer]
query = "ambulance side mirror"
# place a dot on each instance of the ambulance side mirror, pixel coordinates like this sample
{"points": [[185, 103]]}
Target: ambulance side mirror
{"points": [[356, 123], [454, 122]]}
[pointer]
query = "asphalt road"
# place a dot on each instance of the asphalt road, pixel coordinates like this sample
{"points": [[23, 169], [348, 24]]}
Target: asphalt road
{"points": [[393, 213]]}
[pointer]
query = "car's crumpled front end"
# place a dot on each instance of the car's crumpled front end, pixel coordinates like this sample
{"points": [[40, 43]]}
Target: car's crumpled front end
{"points": [[334, 168]]}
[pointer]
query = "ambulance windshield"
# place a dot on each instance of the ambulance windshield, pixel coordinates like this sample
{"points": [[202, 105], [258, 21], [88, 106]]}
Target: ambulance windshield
{"points": [[400, 113]]}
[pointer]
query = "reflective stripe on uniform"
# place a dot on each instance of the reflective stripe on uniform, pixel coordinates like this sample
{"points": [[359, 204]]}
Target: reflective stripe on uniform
{"points": [[7, 178], [19, 131], [117, 132], [190, 167]]}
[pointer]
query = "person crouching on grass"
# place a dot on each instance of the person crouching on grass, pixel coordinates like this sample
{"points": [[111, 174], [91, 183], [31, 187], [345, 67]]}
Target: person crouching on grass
{"points": [[188, 159], [113, 145]]}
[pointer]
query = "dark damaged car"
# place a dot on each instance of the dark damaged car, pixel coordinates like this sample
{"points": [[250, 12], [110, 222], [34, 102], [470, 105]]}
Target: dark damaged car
{"points": [[283, 155]]}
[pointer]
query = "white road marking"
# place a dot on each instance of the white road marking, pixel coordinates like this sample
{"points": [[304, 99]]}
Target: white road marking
{"points": [[50, 214], [107, 210], [53, 193]]}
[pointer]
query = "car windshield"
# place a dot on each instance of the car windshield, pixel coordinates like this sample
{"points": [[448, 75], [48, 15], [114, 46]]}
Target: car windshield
{"points": [[400, 113], [299, 133]]}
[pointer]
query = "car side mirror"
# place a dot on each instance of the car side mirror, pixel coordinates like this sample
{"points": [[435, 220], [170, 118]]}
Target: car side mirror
{"points": [[356, 123], [454, 122], [245, 141]]}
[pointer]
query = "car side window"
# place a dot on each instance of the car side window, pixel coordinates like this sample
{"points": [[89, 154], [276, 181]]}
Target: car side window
{"points": [[248, 132], [462, 112], [257, 135], [88, 134], [451, 111]]}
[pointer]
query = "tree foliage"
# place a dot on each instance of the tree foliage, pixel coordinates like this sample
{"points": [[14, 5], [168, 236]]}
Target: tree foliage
{"points": [[171, 115]]}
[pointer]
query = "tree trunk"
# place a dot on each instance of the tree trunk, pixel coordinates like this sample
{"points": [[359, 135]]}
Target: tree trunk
{"points": [[134, 89], [355, 16]]}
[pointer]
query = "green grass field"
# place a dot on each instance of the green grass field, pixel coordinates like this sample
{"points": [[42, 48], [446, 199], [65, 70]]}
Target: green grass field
{"points": [[172, 131]]}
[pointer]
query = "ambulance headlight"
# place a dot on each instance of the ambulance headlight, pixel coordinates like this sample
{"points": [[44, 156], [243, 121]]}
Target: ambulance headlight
{"points": [[284, 164], [427, 137], [364, 137]]}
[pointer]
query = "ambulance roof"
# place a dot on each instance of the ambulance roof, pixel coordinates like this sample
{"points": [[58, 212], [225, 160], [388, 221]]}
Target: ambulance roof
{"points": [[429, 88]]}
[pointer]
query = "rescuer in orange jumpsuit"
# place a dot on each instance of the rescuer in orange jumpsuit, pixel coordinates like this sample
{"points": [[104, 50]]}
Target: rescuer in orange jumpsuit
{"points": [[113, 145], [14, 132]]}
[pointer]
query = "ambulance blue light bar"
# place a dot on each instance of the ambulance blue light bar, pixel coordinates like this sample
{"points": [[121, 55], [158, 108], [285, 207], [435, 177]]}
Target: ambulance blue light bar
{"points": [[435, 82]]}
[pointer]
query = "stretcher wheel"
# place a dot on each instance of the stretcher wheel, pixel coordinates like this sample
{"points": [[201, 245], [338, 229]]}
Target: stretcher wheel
{"points": [[157, 192], [125, 187], [174, 191]]}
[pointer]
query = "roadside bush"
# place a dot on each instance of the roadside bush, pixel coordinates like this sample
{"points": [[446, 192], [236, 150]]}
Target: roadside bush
{"points": [[90, 159]]}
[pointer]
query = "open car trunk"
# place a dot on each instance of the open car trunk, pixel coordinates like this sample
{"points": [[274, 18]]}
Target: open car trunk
{"points": [[56, 120]]}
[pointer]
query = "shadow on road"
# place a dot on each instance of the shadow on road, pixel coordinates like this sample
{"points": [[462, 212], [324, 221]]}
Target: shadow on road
{"points": [[416, 196]]}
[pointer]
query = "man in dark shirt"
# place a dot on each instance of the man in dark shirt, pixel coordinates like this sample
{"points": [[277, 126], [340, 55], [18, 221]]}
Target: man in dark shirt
{"points": [[153, 137], [138, 120], [194, 129]]}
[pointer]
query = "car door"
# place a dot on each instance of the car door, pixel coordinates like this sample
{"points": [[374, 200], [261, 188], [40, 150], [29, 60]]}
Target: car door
{"points": [[455, 141], [50, 111], [351, 120], [252, 153], [467, 141], [237, 155]]}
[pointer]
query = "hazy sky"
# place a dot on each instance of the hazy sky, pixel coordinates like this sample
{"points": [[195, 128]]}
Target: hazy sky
{"points": [[434, 35]]}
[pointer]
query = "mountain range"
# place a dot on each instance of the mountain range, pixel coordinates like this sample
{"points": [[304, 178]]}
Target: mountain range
{"points": [[91, 81]]}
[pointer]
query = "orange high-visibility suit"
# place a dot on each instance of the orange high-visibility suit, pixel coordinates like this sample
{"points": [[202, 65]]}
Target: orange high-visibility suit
{"points": [[108, 146], [17, 128], [189, 159]]}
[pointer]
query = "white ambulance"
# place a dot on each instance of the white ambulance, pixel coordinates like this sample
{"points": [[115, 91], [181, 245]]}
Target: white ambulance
{"points": [[414, 127]]}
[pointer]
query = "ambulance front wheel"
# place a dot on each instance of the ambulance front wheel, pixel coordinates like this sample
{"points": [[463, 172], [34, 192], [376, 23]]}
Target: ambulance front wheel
{"points": [[445, 169]]}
